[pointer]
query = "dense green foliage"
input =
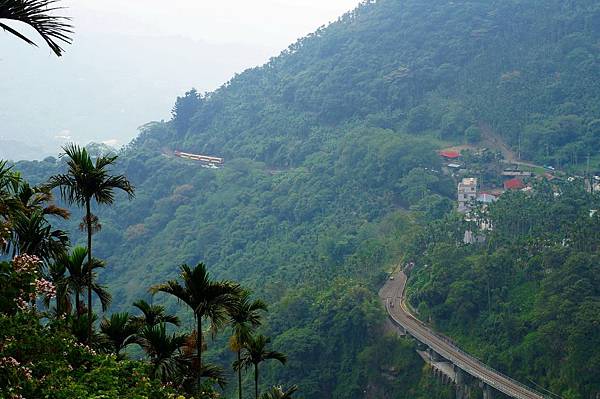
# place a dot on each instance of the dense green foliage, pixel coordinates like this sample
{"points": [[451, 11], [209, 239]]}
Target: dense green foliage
{"points": [[533, 285], [412, 66], [42, 354], [42, 332], [330, 171], [52, 364], [321, 274]]}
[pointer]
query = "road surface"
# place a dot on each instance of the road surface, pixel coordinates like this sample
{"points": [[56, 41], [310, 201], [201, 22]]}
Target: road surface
{"points": [[392, 295]]}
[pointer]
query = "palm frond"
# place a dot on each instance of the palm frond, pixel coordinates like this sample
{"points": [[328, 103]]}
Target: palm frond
{"points": [[55, 210], [8, 178], [38, 14], [163, 350], [57, 273], [76, 260], [85, 180], [33, 234], [172, 287], [106, 160], [245, 316], [103, 294], [280, 393], [96, 264], [215, 373], [274, 355], [256, 352], [153, 314], [119, 330], [67, 185]]}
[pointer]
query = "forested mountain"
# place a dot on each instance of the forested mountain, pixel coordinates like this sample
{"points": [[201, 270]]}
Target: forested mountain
{"points": [[529, 69], [329, 178]]}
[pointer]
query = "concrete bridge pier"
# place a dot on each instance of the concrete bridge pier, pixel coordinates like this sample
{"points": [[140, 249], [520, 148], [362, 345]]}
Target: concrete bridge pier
{"points": [[433, 355], [461, 384], [488, 391]]}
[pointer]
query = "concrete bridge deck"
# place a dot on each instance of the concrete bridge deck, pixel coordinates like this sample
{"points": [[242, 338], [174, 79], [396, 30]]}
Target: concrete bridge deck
{"points": [[392, 294]]}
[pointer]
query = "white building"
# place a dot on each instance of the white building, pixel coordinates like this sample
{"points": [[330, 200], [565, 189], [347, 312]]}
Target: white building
{"points": [[486, 198], [467, 192]]}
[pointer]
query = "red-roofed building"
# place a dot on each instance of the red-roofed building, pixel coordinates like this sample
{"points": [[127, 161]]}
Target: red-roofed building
{"points": [[450, 154], [514, 184]]}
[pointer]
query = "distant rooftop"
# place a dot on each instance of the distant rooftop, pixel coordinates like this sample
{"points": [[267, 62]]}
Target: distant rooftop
{"points": [[450, 154], [514, 184]]}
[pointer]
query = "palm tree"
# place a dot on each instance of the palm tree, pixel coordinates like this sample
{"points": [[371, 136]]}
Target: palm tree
{"points": [[190, 376], [244, 318], [32, 234], [280, 393], [119, 331], [256, 353], [38, 198], [207, 298], [78, 327], [153, 315], [86, 181], [37, 13], [9, 205], [24, 228], [214, 373], [9, 184], [79, 277], [31, 231], [57, 274], [164, 350], [7, 177]]}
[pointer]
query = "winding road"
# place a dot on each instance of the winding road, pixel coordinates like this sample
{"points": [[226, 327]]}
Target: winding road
{"points": [[392, 294]]}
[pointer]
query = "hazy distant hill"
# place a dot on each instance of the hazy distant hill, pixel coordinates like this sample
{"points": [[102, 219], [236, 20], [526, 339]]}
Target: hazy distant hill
{"points": [[104, 87], [16, 150]]}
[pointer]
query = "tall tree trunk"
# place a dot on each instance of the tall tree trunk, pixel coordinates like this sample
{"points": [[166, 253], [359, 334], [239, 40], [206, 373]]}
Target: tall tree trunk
{"points": [[60, 300], [199, 348], [77, 305], [89, 248], [239, 355], [256, 380]]}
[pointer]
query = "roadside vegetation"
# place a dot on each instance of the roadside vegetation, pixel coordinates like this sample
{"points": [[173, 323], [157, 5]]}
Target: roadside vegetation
{"points": [[532, 285]]}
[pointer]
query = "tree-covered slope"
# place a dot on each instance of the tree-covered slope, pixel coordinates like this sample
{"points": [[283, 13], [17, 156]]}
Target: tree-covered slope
{"points": [[330, 167], [527, 68], [527, 300]]}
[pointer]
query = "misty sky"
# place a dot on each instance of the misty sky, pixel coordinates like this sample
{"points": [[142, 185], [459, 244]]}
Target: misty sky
{"points": [[270, 23], [130, 60]]}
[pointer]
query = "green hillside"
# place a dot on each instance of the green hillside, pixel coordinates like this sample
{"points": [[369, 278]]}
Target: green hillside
{"points": [[527, 68], [527, 300], [331, 169]]}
